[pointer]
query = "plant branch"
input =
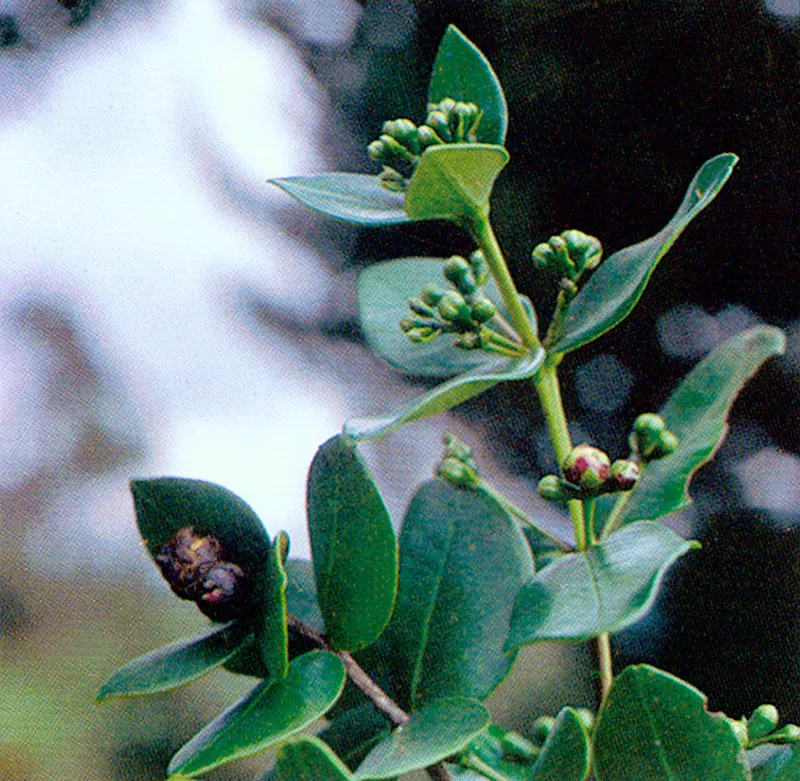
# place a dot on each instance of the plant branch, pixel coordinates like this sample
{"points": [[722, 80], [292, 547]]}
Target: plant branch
{"points": [[605, 663], [377, 696]]}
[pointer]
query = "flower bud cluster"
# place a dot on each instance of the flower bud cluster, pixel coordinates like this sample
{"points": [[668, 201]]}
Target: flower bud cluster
{"points": [[401, 143], [761, 728], [588, 472], [194, 567], [569, 254], [461, 309], [458, 466], [650, 439]]}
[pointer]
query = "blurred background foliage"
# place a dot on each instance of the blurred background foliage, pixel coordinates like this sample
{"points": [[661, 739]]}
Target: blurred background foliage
{"points": [[613, 106]]}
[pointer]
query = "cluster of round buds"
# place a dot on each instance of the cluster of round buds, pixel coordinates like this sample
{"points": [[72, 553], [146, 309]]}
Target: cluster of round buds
{"points": [[457, 465], [194, 567], [588, 472], [650, 439], [401, 143], [569, 254]]}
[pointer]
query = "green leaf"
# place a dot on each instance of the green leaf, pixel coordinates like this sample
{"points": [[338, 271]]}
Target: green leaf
{"points": [[604, 589], [383, 293], [654, 726], [271, 632], [443, 727], [566, 755], [354, 733], [617, 285], [307, 758], [460, 71], [449, 394], [167, 504], [357, 198], [452, 613], [353, 544], [176, 664], [454, 181], [775, 763], [266, 716], [301, 594], [697, 414]]}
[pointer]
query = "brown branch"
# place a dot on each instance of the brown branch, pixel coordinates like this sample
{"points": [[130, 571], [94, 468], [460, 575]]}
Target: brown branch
{"points": [[377, 696]]}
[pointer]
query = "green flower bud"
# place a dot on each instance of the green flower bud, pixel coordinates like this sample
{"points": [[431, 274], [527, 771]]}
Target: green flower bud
{"points": [[457, 449], [446, 105], [551, 489], [763, 721], [469, 341], [422, 334], [586, 718], [480, 268], [518, 748], [543, 257], [649, 424], [562, 261], [650, 437], [586, 251], [458, 473], [483, 310], [624, 474], [788, 734], [395, 154], [453, 308], [541, 729], [465, 116], [432, 294], [393, 180], [419, 307], [666, 444], [588, 468], [427, 136], [404, 131], [376, 150], [438, 122], [455, 269]]}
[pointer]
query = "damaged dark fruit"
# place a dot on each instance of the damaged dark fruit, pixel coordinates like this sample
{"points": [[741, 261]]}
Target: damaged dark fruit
{"points": [[196, 570]]}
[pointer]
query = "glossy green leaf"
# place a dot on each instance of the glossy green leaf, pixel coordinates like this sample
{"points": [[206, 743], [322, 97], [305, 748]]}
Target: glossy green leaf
{"points": [[176, 664], [433, 733], [617, 285], [301, 594], [353, 544], [357, 198], [566, 755], [452, 613], [461, 72], [355, 732], [448, 395], [266, 716], [383, 293], [654, 726], [270, 630], [454, 181], [165, 505], [775, 763], [697, 413], [307, 758], [604, 589]]}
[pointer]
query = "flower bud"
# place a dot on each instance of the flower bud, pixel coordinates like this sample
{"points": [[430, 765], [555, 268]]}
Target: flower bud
{"points": [[432, 294], [787, 734], [438, 122], [586, 718], [419, 307], [427, 136], [763, 721], [457, 473], [561, 259], [480, 268], [588, 468], [551, 489], [650, 437], [422, 334], [453, 308], [541, 729], [483, 310], [624, 474], [457, 271], [543, 256], [469, 341], [393, 180], [404, 131], [518, 748], [457, 449], [585, 251]]}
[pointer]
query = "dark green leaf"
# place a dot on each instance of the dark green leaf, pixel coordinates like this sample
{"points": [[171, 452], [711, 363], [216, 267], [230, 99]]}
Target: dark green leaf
{"points": [[454, 181], [604, 589], [654, 726], [697, 414], [271, 634], [354, 733], [453, 609], [448, 395], [441, 728], [775, 763], [354, 547], [617, 285], [176, 664], [383, 293], [266, 716], [461, 72], [357, 198], [168, 504], [566, 754], [301, 594], [307, 758]]}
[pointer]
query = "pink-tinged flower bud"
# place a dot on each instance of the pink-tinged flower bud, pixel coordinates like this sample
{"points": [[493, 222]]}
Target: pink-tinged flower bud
{"points": [[588, 468], [624, 474]]}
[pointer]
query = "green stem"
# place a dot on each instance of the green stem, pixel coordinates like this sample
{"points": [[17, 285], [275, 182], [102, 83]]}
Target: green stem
{"points": [[549, 391], [521, 515], [614, 515], [589, 506], [605, 663], [481, 230]]}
